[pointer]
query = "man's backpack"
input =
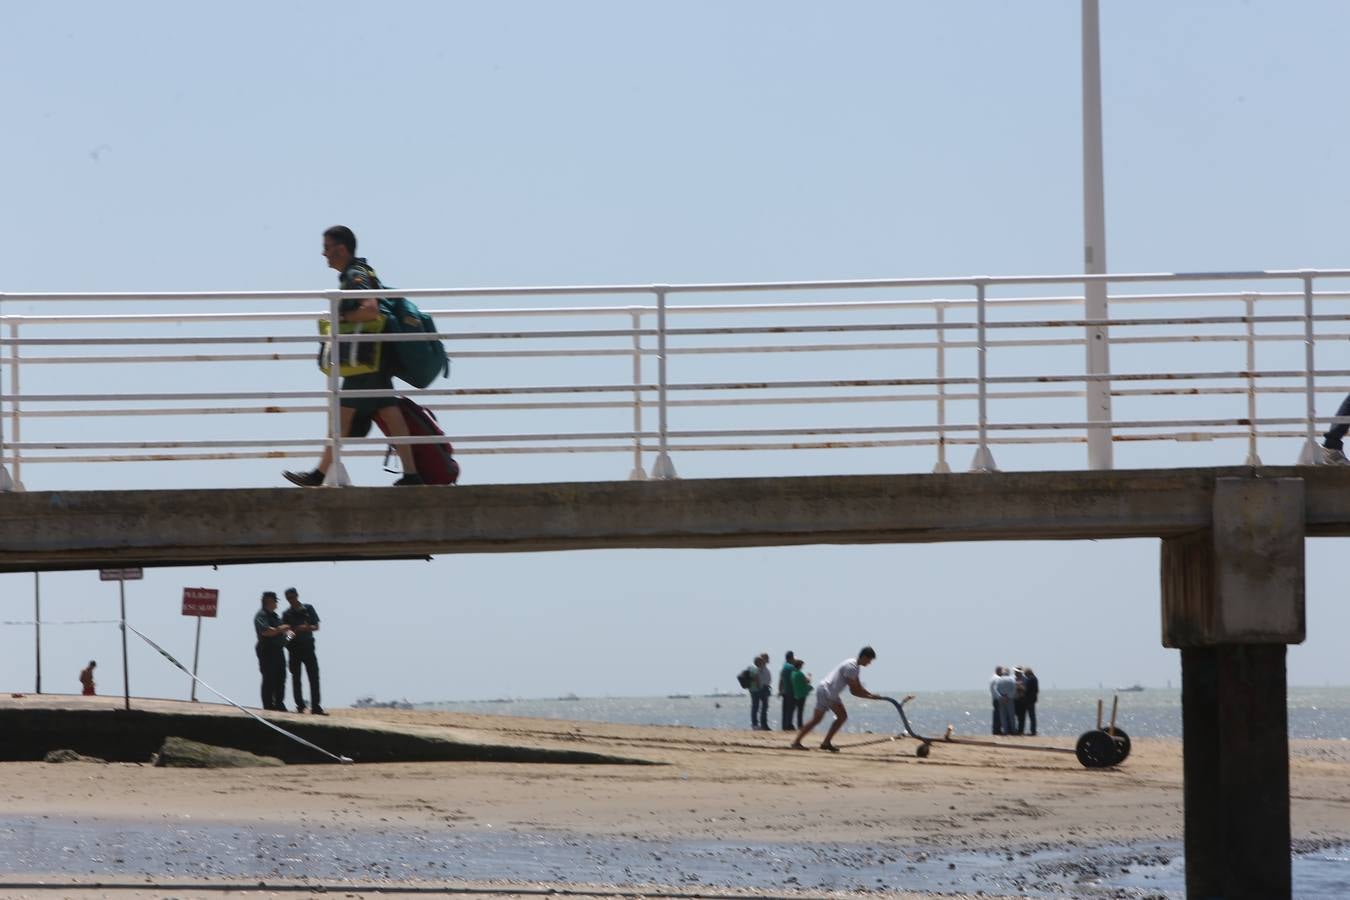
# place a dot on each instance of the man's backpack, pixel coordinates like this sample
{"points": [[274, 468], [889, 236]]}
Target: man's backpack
{"points": [[417, 362], [746, 677], [435, 462]]}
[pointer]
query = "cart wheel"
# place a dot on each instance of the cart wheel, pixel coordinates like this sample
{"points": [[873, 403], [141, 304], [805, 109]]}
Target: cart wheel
{"points": [[1096, 750], [921, 751], [1122, 743]]}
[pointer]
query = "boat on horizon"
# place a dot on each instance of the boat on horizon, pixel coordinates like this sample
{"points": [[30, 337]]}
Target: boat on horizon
{"points": [[1134, 688]]}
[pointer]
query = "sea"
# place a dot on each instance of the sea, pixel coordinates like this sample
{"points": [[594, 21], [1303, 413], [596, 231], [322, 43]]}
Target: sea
{"points": [[1314, 712]]}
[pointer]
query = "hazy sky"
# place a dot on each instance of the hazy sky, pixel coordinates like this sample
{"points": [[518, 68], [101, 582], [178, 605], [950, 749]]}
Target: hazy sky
{"points": [[172, 146]]}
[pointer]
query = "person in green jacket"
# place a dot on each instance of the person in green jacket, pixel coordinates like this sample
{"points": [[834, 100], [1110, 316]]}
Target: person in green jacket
{"points": [[801, 689]]}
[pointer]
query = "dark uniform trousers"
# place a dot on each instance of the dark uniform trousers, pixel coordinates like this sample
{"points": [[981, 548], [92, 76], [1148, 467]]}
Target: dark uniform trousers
{"points": [[303, 655], [272, 665]]}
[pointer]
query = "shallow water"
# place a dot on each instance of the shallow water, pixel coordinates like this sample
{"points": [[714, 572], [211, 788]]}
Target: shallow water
{"points": [[1313, 712], [93, 847]]}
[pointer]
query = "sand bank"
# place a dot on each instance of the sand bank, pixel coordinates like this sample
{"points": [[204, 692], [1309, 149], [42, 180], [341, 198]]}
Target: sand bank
{"points": [[714, 786]]}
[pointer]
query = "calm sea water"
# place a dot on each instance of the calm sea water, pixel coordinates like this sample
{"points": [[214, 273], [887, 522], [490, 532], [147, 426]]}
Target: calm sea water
{"points": [[1313, 712]]}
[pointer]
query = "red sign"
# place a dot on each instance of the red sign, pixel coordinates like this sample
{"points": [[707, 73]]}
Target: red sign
{"points": [[200, 602], [119, 574]]}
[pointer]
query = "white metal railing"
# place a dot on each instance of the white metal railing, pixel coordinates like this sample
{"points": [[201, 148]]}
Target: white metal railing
{"points": [[878, 365]]}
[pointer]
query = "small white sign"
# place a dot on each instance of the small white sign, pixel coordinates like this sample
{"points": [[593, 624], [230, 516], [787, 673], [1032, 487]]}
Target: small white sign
{"points": [[120, 574]]}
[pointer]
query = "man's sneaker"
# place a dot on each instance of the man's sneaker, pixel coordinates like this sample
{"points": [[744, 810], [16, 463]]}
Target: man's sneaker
{"points": [[318, 711], [1334, 456], [412, 478], [305, 479]]}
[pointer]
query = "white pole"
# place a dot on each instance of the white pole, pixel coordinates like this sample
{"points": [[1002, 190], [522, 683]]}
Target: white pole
{"points": [[983, 460], [196, 652], [1094, 245], [126, 677], [37, 632], [337, 472], [663, 468], [1312, 451], [14, 420], [638, 473], [6, 483], [942, 468], [1252, 458]]}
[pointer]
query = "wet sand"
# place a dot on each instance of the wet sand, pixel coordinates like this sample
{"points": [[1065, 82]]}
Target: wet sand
{"points": [[716, 789]]}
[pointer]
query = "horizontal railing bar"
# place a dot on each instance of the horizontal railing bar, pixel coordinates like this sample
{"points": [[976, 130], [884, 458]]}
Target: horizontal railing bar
{"points": [[702, 403], [805, 305], [794, 445], [595, 334], [706, 287], [688, 351], [675, 433], [688, 386]]}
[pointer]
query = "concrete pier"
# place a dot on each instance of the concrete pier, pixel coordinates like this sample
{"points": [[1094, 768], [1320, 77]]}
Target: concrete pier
{"points": [[1232, 599], [1232, 573]]}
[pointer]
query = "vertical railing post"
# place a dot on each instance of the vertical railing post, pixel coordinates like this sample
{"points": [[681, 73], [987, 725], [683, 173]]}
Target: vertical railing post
{"points": [[984, 460], [663, 468], [337, 472], [941, 468], [15, 407], [1252, 458], [1312, 451], [638, 473], [7, 483]]}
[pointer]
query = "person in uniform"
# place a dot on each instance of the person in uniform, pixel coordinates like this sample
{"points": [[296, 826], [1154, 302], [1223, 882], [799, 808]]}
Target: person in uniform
{"points": [[303, 622], [271, 632]]}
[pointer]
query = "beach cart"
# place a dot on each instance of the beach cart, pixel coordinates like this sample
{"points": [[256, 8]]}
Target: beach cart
{"points": [[1101, 748]]}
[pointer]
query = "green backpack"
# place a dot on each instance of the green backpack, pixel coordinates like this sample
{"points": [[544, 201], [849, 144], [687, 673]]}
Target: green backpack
{"points": [[417, 362]]}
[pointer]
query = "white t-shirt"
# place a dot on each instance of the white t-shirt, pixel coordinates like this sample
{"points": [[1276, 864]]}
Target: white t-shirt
{"points": [[837, 681]]}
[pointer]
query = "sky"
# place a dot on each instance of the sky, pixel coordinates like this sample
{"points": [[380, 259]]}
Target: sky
{"points": [[168, 146]]}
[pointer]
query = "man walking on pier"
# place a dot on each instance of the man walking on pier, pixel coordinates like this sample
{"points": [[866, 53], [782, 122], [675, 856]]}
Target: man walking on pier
{"points": [[355, 274], [845, 675]]}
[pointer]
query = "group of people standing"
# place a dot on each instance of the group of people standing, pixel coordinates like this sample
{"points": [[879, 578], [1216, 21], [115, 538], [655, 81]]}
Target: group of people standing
{"points": [[1014, 693], [794, 686], [289, 633]]}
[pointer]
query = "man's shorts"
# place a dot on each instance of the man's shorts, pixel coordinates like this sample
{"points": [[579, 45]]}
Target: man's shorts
{"points": [[824, 699], [371, 381]]}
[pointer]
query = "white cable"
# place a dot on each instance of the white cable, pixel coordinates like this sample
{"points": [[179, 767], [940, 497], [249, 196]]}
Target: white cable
{"points": [[295, 737], [67, 622]]}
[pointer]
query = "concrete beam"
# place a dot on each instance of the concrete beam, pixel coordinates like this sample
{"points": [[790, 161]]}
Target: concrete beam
{"points": [[90, 529], [1241, 581]]}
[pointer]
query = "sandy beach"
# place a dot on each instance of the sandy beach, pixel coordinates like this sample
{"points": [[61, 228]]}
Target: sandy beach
{"points": [[713, 786]]}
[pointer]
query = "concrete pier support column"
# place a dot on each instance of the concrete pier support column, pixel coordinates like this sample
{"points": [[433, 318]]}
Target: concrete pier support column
{"points": [[1233, 598]]}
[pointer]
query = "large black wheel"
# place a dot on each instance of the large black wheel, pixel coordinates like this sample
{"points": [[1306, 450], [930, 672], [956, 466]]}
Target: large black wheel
{"points": [[1122, 743], [1096, 750], [921, 751]]}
